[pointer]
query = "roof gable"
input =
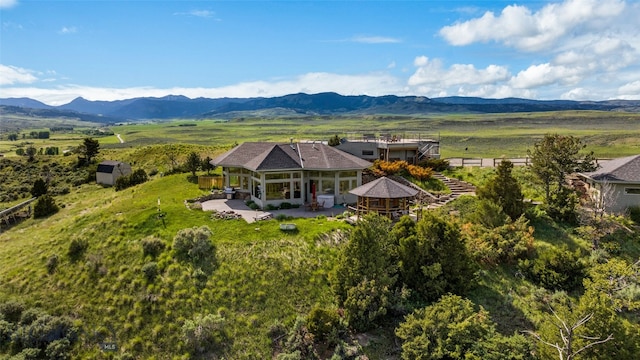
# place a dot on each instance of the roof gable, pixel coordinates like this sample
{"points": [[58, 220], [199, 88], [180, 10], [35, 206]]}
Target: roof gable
{"points": [[384, 188], [107, 166], [261, 156], [626, 169]]}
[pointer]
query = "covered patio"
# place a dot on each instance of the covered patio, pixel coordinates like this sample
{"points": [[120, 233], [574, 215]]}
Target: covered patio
{"points": [[385, 197]]}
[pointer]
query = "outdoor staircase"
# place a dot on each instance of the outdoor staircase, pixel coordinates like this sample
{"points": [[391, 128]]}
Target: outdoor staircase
{"points": [[457, 187]]}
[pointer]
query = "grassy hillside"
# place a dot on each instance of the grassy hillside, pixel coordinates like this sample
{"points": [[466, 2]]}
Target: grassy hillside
{"points": [[262, 276]]}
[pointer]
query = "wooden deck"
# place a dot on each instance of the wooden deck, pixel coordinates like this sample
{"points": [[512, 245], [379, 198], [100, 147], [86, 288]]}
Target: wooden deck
{"points": [[12, 214]]}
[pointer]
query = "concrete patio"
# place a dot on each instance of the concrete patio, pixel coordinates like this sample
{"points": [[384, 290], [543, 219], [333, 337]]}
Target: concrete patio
{"points": [[250, 216]]}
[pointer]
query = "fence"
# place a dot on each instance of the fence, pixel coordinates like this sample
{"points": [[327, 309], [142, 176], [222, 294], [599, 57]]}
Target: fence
{"points": [[493, 162], [487, 162], [210, 182]]}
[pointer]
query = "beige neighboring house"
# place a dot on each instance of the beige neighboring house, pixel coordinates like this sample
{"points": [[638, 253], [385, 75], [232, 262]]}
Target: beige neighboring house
{"points": [[615, 186], [410, 147], [273, 173], [109, 170]]}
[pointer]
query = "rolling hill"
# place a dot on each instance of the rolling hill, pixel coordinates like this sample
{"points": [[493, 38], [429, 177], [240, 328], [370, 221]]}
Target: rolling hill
{"points": [[176, 106]]}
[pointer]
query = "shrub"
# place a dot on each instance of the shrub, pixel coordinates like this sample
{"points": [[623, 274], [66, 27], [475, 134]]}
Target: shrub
{"points": [[58, 349], [556, 269], [634, 213], [435, 164], [324, 323], [285, 205], [45, 206], [11, 311], [52, 263], [194, 245], [152, 246], [419, 173], [77, 248], [150, 270], [204, 334], [389, 167], [6, 329], [366, 304]]}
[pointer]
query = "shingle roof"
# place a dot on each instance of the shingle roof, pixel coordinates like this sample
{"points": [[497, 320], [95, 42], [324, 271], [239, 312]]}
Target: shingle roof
{"points": [[626, 169], [384, 188], [261, 156], [107, 166]]}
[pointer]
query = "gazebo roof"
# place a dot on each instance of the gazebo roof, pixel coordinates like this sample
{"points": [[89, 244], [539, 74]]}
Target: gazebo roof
{"points": [[384, 188]]}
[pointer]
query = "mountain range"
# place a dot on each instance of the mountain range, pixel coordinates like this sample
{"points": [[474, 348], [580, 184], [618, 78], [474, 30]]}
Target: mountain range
{"points": [[177, 106]]}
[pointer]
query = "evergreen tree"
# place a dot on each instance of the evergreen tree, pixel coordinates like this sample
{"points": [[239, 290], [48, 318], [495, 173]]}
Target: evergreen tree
{"points": [[448, 329], [193, 163], [90, 149], [365, 273], [557, 156], [504, 190], [39, 188], [434, 260]]}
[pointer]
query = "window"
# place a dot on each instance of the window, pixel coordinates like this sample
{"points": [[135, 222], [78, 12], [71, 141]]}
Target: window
{"points": [[276, 176], [632, 191], [367, 152], [277, 191], [346, 174]]}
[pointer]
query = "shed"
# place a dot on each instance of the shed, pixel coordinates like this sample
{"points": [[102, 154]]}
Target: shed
{"points": [[384, 196], [109, 170]]}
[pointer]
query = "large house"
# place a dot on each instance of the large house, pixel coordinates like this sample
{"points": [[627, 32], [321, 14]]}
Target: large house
{"points": [[615, 186], [273, 173], [409, 147]]}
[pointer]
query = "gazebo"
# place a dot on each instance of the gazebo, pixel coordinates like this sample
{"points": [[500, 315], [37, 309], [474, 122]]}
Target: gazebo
{"points": [[385, 197]]}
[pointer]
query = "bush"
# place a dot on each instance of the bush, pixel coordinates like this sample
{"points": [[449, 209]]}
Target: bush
{"points": [[324, 323], [204, 334], [366, 304], [152, 246], [150, 270], [634, 213], [52, 263], [435, 164], [555, 269], [195, 245], [137, 177], [77, 248], [285, 205], [45, 206], [11, 311]]}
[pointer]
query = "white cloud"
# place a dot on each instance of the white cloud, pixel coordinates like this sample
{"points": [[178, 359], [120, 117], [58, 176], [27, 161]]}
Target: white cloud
{"points": [[432, 72], [374, 84], [197, 13], [630, 91], [374, 40], [5, 4], [519, 27], [68, 30], [10, 75]]}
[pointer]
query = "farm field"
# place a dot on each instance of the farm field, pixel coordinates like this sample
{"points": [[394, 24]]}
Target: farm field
{"points": [[608, 134]]}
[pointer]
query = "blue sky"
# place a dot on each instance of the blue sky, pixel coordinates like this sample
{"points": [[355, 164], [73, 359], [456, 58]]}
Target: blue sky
{"points": [[55, 51]]}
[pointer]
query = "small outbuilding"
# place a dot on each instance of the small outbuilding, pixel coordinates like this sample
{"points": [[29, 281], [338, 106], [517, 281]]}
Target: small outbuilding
{"points": [[385, 197], [110, 170]]}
